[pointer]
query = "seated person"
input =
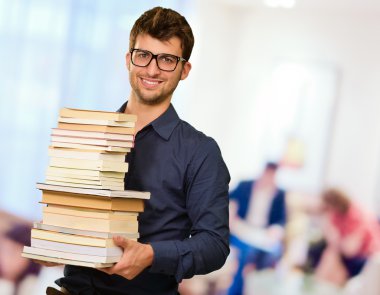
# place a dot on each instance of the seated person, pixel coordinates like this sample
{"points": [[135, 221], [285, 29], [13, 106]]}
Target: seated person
{"points": [[352, 235], [257, 219]]}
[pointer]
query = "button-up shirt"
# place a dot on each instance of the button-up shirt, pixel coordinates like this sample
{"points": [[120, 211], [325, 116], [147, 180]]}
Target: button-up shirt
{"points": [[186, 218]]}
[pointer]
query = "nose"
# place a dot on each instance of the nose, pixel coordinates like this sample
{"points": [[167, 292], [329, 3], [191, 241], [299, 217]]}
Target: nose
{"points": [[152, 67]]}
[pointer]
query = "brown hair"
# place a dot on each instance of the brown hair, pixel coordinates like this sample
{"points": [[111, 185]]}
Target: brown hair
{"points": [[337, 200], [163, 24]]}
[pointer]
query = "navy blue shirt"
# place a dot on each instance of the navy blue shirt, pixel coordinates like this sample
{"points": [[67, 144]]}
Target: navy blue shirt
{"points": [[186, 218]]}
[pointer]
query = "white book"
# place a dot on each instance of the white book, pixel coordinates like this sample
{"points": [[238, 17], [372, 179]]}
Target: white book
{"points": [[92, 141], [77, 249], [96, 192], [96, 122], [92, 134], [71, 256], [89, 147], [89, 233], [73, 239], [86, 186], [83, 173], [66, 261], [86, 154], [100, 165]]}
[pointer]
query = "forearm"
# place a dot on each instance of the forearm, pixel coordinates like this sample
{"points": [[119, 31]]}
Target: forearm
{"points": [[200, 254]]}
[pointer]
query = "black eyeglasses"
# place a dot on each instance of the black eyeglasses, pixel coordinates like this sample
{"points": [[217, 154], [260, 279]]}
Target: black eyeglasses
{"points": [[165, 62]]}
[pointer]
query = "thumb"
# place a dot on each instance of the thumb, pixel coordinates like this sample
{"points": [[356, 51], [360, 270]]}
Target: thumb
{"points": [[120, 241]]}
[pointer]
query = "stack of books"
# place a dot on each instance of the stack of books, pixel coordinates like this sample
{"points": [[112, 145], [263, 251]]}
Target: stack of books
{"points": [[86, 204]]}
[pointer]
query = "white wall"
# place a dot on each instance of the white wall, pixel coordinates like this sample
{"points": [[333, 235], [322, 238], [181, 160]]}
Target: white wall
{"points": [[222, 90]]}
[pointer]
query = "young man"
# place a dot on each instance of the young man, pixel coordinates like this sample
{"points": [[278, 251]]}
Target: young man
{"points": [[184, 228]]}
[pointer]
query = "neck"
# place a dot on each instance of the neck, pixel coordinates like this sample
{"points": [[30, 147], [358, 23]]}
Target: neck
{"points": [[145, 113]]}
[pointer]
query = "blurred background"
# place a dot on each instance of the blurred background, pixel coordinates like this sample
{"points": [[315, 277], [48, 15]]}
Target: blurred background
{"points": [[291, 82]]}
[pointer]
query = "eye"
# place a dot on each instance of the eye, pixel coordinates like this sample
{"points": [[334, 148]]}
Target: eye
{"points": [[142, 54], [168, 59]]}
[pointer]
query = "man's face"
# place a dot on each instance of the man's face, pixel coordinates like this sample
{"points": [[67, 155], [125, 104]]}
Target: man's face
{"points": [[151, 85]]}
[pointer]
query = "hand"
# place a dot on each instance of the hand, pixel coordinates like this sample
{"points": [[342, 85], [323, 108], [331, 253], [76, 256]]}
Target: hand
{"points": [[46, 263], [135, 259]]}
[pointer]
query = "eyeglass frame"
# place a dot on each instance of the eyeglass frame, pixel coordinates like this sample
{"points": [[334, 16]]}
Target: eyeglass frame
{"points": [[155, 56]]}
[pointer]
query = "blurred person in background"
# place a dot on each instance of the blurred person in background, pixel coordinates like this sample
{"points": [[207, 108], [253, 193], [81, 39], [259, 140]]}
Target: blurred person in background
{"points": [[257, 224], [18, 275], [351, 234]]}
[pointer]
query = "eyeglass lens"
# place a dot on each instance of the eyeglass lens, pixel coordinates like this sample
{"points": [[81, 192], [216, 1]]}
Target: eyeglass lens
{"points": [[165, 62]]}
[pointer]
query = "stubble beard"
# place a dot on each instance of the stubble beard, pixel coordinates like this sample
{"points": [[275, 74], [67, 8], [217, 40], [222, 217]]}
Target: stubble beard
{"points": [[148, 99], [155, 100]]}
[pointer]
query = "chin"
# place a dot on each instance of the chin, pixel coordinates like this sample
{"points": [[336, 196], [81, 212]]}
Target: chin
{"points": [[152, 101]]}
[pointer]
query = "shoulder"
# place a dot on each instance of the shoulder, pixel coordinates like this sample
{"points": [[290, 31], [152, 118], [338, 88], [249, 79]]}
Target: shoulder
{"points": [[194, 139]]}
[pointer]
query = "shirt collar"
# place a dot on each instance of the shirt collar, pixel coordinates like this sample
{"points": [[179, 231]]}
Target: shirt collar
{"points": [[164, 124]]}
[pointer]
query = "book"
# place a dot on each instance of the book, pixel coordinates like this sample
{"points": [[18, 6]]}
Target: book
{"points": [[96, 128], [88, 186], [110, 123], [100, 165], [66, 261], [85, 223], [72, 238], [91, 213], [85, 154], [84, 173], [99, 115], [105, 193], [92, 141], [77, 233], [70, 256], [89, 147], [92, 134], [93, 202], [78, 249], [115, 182]]}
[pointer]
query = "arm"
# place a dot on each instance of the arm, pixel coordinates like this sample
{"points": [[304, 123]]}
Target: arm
{"points": [[207, 205]]}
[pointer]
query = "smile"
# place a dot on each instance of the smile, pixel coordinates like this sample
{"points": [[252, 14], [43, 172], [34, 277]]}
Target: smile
{"points": [[150, 83]]}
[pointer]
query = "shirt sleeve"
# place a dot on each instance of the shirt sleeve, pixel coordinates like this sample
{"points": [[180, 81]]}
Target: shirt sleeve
{"points": [[207, 205]]}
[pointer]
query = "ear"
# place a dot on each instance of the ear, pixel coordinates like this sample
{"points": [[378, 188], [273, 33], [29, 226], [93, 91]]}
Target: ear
{"points": [[128, 60], [185, 70]]}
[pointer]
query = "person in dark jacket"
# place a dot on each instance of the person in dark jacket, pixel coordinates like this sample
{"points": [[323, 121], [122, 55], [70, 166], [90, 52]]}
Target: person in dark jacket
{"points": [[257, 224]]}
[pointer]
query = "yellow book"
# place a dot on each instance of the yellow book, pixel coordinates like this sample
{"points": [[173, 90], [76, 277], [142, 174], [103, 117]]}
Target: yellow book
{"points": [[85, 154], [99, 165], [91, 213], [115, 182], [84, 173], [93, 202], [99, 115], [85, 223]]}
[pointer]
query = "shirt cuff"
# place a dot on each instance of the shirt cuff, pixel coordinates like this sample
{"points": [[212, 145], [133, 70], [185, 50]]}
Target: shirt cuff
{"points": [[165, 260]]}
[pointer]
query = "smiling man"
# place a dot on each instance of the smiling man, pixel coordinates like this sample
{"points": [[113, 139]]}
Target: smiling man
{"points": [[184, 228]]}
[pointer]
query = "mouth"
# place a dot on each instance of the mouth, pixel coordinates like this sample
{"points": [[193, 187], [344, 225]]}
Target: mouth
{"points": [[150, 83]]}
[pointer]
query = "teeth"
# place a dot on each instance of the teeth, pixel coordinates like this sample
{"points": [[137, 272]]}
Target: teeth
{"points": [[150, 82]]}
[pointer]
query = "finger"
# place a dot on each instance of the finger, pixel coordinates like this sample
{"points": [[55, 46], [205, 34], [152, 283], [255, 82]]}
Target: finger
{"points": [[46, 263], [120, 241]]}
